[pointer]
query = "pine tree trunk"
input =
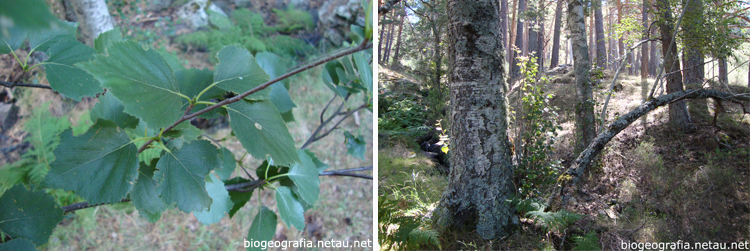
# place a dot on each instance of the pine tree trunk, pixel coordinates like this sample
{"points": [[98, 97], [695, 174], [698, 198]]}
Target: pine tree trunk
{"points": [[396, 62], [504, 32], [592, 41], [391, 30], [540, 44], [644, 47], [692, 57], [556, 37], [481, 176], [93, 18], [601, 50], [620, 42], [380, 39], [654, 62], [515, 70], [511, 40], [585, 124], [723, 76], [678, 114], [533, 39]]}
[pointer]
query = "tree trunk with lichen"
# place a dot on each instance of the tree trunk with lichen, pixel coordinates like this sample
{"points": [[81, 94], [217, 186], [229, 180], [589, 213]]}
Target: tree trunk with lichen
{"points": [[585, 124], [481, 175], [93, 18]]}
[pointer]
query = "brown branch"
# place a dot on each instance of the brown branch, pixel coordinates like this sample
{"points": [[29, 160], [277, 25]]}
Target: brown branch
{"points": [[10, 85], [241, 187], [570, 178], [365, 45], [387, 6]]}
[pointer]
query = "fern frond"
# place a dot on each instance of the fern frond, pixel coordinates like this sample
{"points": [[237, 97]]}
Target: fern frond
{"points": [[555, 221], [587, 242]]}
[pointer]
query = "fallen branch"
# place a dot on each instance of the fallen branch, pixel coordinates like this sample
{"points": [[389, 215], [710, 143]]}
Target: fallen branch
{"points": [[573, 174], [9, 85]]}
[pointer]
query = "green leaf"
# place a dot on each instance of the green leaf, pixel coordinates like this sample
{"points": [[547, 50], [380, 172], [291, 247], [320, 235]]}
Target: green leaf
{"points": [[261, 130], [100, 165], [239, 199], [110, 108], [272, 170], [141, 80], [238, 72], [17, 245], [228, 164], [263, 227], [330, 82], [182, 173], [185, 130], [144, 195], [66, 78], [150, 217], [192, 82], [364, 69], [369, 22], [31, 15], [295, 191], [275, 66], [305, 176], [12, 41], [220, 206], [29, 215], [318, 164], [106, 39], [356, 145], [41, 40], [290, 209]]}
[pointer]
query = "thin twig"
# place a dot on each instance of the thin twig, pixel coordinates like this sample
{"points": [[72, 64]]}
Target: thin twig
{"points": [[10, 85], [365, 45], [241, 187], [324, 123]]}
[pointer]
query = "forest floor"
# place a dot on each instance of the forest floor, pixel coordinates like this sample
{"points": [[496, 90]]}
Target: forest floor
{"points": [[343, 212], [651, 184]]}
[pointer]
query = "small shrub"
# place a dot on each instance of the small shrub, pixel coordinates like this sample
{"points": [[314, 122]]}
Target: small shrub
{"points": [[291, 20]]}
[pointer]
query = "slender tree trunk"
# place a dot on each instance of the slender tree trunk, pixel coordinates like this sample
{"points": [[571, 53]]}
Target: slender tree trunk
{"points": [[396, 61], [504, 32], [391, 30], [481, 176], [630, 59], [620, 42], [585, 124], [93, 18], [611, 56], [511, 40], [592, 41], [601, 50], [653, 63], [438, 33], [692, 56], [644, 47], [540, 44], [723, 76], [556, 37], [678, 114], [533, 39], [515, 70], [380, 39]]}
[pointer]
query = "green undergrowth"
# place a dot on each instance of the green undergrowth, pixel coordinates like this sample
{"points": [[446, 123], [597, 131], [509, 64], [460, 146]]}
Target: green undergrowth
{"points": [[249, 29]]}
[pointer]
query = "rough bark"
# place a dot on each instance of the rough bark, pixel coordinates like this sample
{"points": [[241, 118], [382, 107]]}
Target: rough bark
{"points": [[70, 13], [644, 48], [592, 41], [556, 37], [678, 114], [585, 124], [504, 32], [515, 69], [692, 56], [654, 62], [93, 19], [481, 172], [570, 178], [396, 61], [601, 50]]}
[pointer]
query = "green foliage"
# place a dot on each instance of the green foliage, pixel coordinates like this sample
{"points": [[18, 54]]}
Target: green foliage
{"points": [[28, 214], [44, 137], [292, 19], [589, 241], [355, 145], [538, 131], [549, 221], [399, 115], [396, 229], [250, 30], [263, 227]]}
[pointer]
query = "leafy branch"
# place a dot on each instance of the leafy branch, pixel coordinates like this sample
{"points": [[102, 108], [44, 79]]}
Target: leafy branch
{"points": [[363, 46]]}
